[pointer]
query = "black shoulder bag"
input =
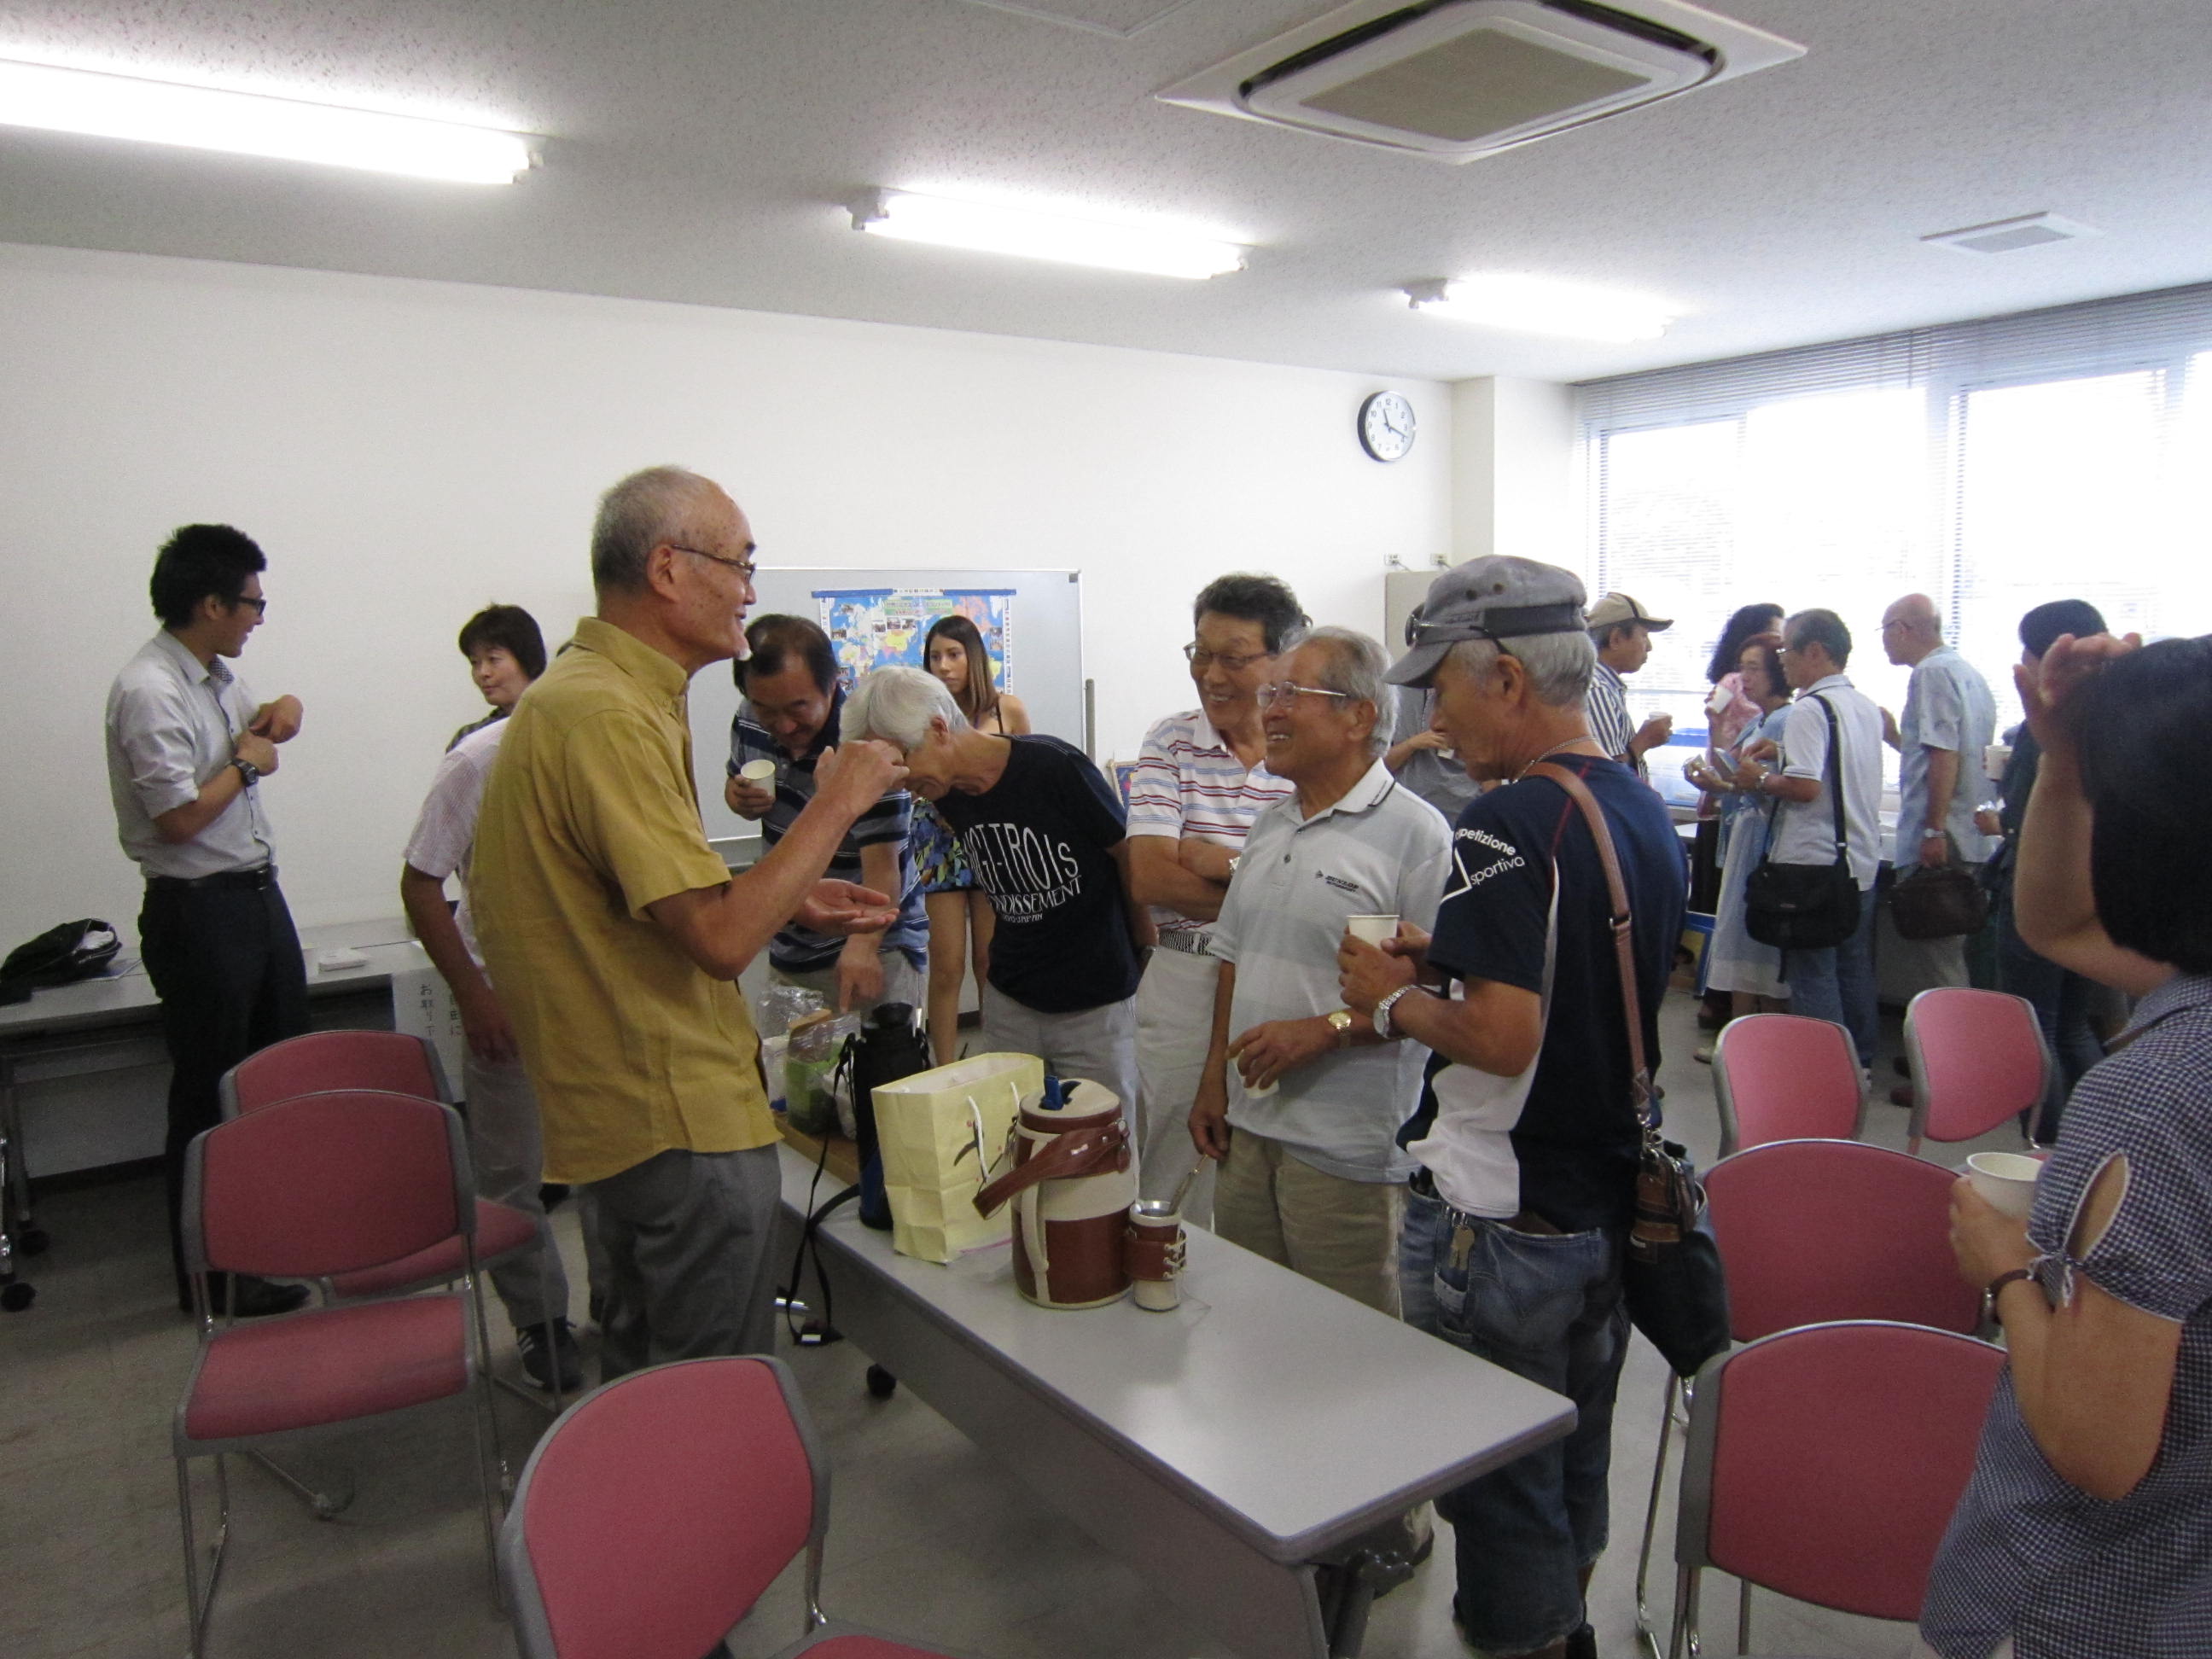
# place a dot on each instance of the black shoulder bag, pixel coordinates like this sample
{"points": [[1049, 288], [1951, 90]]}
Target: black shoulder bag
{"points": [[60, 956], [1806, 907], [1671, 1279]]}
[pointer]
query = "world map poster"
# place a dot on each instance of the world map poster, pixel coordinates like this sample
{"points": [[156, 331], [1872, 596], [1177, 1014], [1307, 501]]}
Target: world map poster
{"points": [[871, 628]]}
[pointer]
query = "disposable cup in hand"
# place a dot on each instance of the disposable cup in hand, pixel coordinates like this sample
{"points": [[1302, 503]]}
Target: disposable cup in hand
{"points": [[759, 773], [1374, 929], [1251, 1093], [2006, 1180]]}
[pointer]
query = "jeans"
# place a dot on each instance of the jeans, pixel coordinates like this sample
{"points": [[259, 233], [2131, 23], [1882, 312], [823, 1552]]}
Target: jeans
{"points": [[1548, 1307], [1838, 984]]}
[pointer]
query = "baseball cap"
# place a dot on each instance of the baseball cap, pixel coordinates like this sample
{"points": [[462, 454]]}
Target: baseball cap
{"points": [[1615, 609], [1498, 597]]}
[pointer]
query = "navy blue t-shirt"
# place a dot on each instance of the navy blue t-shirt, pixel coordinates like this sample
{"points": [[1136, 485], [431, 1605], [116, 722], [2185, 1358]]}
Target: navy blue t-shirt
{"points": [[1578, 1140], [1041, 842]]}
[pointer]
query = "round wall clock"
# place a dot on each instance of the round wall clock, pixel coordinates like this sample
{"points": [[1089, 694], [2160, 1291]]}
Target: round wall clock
{"points": [[1386, 426]]}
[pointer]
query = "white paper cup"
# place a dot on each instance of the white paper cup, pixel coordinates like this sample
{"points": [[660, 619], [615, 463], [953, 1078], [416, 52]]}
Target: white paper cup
{"points": [[759, 772], [1994, 759], [1374, 929], [2006, 1180]]}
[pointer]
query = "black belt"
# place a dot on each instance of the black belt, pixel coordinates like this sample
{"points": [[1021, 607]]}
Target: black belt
{"points": [[262, 875]]}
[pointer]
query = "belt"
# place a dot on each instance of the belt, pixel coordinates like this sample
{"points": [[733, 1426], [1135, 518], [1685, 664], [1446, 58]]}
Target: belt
{"points": [[260, 876], [1192, 942]]}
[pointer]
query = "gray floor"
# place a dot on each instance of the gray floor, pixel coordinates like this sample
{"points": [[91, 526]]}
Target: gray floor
{"points": [[930, 1537]]}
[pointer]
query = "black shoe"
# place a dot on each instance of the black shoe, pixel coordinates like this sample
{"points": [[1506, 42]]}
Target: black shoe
{"points": [[539, 1365], [1582, 1644], [1903, 1068], [550, 1192], [257, 1297]]}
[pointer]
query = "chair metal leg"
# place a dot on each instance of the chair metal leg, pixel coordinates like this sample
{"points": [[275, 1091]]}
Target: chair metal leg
{"points": [[1647, 1636], [322, 1505], [198, 1603], [1684, 1643], [492, 1476], [1743, 1616]]}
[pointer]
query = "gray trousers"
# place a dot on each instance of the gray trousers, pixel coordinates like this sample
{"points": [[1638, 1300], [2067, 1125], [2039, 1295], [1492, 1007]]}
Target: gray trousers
{"points": [[902, 983], [687, 1237], [1099, 1044], [505, 1145]]}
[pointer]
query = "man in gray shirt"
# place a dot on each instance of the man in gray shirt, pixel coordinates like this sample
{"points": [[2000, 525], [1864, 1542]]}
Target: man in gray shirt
{"points": [[1305, 1121], [188, 748], [1950, 720], [1422, 758]]}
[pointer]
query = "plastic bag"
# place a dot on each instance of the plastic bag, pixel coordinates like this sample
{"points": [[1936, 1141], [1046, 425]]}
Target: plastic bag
{"points": [[810, 1086]]}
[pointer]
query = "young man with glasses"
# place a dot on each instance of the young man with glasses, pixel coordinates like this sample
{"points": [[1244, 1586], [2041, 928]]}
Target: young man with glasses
{"points": [[1200, 779], [188, 748], [1044, 831]]}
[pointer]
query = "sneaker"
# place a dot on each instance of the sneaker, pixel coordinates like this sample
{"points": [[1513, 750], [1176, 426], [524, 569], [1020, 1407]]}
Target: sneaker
{"points": [[1704, 1055], [257, 1297], [538, 1365]]}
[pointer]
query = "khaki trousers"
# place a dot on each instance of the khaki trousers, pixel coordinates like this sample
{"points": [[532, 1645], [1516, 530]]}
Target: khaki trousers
{"points": [[1340, 1233]]}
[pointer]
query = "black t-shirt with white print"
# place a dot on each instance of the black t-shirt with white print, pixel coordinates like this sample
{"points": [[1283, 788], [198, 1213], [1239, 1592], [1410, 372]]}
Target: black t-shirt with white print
{"points": [[1040, 840]]}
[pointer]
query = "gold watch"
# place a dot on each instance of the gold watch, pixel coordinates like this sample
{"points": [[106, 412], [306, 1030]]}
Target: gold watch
{"points": [[1339, 1021]]}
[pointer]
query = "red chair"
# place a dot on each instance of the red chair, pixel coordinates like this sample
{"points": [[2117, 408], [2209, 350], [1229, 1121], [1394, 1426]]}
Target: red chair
{"points": [[308, 1189], [1825, 1463], [390, 1061], [1812, 1232], [395, 1063], [1783, 1077], [1978, 1057], [655, 1512]]}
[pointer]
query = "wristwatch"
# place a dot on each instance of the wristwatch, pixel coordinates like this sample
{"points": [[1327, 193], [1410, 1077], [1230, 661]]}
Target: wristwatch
{"points": [[1383, 1011], [248, 770], [1235, 859], [1933, 832], [1339, 1021], [1990, 1291]]}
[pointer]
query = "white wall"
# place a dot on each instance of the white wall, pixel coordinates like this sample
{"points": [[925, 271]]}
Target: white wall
{"points": [[1513, 462], [406, 451]]}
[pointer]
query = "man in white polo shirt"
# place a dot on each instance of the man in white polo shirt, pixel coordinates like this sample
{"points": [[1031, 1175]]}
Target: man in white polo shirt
{"points": [[1200, 778], [1306, 1123]]}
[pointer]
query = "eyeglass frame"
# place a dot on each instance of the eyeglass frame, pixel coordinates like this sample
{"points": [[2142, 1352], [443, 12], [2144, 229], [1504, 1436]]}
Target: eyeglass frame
{"points": [[259, 602], [1235, 663], [744, 568], [1277, 691]]}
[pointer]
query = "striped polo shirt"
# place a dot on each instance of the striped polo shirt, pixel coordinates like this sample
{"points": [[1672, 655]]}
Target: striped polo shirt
{"points": [[1188, 782], [797, 949]]}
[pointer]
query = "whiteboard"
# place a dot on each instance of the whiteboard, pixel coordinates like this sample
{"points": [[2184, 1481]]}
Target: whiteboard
{"points": [[1042, 611]]}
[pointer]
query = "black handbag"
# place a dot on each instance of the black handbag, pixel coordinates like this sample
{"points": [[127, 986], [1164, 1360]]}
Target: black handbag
{"points": [[1806, 907], [60, 956], [1671, 1281], [1942, 903]]}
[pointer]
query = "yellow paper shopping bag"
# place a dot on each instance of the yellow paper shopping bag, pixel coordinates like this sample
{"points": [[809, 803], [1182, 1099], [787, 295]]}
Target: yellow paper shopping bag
{"points": [[941, 1133]]}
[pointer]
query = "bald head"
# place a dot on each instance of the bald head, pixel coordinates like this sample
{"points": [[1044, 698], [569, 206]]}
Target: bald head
{"points": [[1911, 629]]}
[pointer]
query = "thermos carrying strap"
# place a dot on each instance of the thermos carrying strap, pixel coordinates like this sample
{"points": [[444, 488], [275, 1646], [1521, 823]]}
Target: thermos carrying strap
{"points": [[1078, 1153]]}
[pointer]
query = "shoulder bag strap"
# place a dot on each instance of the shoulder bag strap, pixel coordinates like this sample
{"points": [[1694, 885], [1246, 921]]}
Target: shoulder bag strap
{"points": [[1835, 771], [1622, 922]]}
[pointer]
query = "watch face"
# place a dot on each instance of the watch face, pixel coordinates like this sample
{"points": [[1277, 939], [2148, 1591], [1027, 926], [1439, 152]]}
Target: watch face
{"points": [[1386, 426]]}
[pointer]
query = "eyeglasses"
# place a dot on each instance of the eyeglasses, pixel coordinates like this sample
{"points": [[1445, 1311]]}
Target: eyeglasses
{"points": [[1284, 690], [1201, 659], [743, 567], [260, 606]]}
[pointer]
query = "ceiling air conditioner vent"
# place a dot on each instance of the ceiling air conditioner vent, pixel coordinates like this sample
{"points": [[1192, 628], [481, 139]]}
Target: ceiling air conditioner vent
{"points": [[1455, 79]]}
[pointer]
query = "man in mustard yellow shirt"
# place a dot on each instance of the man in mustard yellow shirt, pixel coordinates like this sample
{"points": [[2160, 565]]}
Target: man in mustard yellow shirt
{"points": [[614, 931]]}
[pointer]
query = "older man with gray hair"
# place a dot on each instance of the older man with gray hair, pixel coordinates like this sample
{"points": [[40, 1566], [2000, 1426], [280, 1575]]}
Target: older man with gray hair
{"points": [[614, 931], [1305, 1122], [1046, 837], [1528, 1133]]}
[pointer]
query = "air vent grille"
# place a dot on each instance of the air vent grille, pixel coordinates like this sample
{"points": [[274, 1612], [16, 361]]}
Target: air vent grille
{"points": [[2010, 236]]}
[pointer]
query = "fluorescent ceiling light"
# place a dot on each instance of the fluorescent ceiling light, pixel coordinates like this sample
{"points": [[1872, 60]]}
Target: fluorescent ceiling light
{"points": [[1537, 305], [247, 123], [1034, 235]]}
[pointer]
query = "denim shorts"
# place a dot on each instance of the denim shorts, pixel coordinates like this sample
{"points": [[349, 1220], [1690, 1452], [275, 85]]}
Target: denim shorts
{"points": [[1548, 1307]]}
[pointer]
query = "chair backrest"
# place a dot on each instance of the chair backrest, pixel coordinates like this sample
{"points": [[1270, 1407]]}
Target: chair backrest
{"points": [[1825, 1463], [1812, 1232], [1979, 1059], [655, 1512], [390, 1061], [1784, 1077], [326, 1184]]}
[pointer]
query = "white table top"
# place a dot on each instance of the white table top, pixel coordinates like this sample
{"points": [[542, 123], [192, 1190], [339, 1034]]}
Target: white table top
{"points": [[1282, 1407], [120, 998]]}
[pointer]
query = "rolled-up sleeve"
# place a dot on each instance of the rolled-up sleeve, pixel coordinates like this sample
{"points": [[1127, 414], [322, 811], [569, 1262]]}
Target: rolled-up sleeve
{"points": [[155, 731]]}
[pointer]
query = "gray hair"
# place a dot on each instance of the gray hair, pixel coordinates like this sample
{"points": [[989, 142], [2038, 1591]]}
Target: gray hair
{"points": [[1354, 665], [1559, 665], [662, 505], [896, 705]]}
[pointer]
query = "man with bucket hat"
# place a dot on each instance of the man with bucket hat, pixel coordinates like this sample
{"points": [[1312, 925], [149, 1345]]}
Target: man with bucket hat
{"points": [[1528, 1133]]}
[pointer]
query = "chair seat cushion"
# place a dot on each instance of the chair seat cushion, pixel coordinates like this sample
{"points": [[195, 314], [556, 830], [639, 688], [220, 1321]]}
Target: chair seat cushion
{"points": [[500, 1228], [303, 1369]]}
